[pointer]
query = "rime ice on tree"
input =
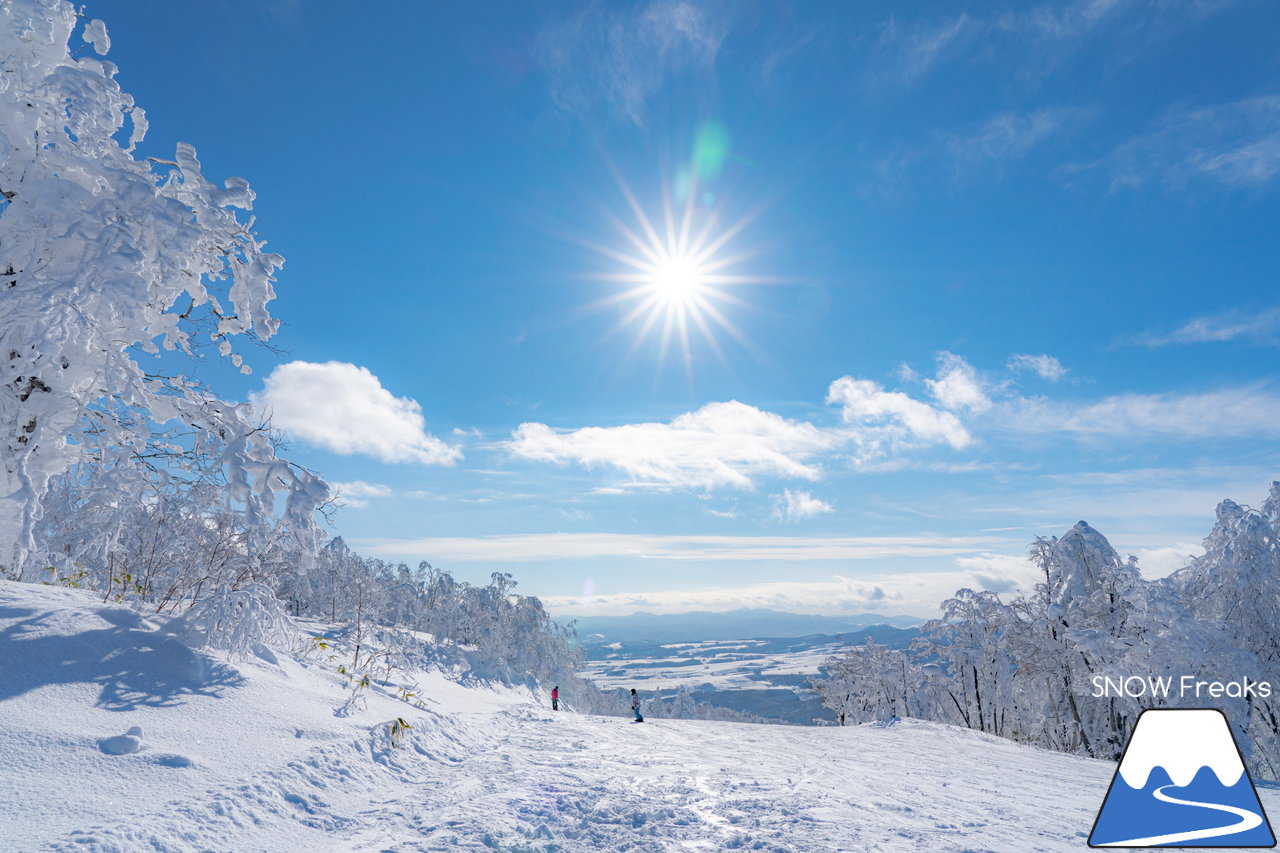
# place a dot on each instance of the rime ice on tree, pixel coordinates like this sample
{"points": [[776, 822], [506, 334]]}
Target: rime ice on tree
{"points": [[105, 256]]}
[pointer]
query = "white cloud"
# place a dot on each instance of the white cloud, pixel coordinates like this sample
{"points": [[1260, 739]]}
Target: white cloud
{"points": [[868, 593], [618, 58], [1045, 366], [344, 408], [958, 386], [734, 444], [796, 505], [1001, 573], [529, 547], [720, 444], [866, 403], [1161, 562], [1254, 327]]}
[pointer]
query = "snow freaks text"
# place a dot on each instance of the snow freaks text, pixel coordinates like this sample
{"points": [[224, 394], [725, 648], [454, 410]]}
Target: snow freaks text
{"points": [[1184, 687]]}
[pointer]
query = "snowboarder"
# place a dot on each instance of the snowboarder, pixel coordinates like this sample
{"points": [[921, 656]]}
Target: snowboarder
{"points": [[555, 698], [635, 706]]}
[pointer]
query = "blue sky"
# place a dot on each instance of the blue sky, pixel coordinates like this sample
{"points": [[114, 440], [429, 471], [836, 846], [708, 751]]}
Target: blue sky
{"points": [[986, 270]]}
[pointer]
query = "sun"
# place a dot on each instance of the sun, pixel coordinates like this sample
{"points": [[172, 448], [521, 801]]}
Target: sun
{"points": [[680, 277], [678, 281]]}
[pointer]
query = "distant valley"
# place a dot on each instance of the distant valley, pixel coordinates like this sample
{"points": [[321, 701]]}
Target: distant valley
{"points": [[755, 661]]}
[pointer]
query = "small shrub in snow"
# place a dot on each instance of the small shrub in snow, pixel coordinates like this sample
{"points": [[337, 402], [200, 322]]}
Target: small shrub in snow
{"points": [[397, 728], [71, 581], [236, 621]]}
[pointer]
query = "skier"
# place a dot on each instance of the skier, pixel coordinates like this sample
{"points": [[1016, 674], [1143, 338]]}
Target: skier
{"points": [[555, 698], [635, 706]]}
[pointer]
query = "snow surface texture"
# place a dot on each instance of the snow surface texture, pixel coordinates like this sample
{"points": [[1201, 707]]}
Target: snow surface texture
{"points": [[249, 756]]}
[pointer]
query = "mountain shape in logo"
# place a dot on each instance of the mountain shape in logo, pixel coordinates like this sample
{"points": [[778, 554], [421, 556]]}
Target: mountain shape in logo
{"points": [[1182, 783]]}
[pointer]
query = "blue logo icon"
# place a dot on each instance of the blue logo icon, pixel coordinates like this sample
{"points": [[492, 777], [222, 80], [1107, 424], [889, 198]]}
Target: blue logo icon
{"points": [[1182, 783]]}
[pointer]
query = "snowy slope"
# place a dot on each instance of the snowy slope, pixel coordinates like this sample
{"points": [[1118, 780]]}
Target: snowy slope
{"points": [[249, 756]]}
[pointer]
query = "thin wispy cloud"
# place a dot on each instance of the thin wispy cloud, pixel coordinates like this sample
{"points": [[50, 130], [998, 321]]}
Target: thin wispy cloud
{"points": [[1081, 18], [829, 597], [1064, 20], [1256, 327], [1044, 366], [908, 51], [344, 408], [532, 547], [784, 52], [1234, 145], [971, 405], [357, 492], [911, 593], [905, 52], [984, 150], [1011, 136], [615, 58], [1248, 412]]}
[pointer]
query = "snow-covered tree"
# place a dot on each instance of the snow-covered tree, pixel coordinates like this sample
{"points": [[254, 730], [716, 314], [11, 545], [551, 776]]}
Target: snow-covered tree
{"points": [[868, 682], [973, 639], [1237, 581], [1235, 587], [106, 257], [1026, 669]]}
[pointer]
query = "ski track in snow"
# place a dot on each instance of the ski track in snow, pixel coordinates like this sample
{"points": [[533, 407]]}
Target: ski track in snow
{"points": [[526, 779]]}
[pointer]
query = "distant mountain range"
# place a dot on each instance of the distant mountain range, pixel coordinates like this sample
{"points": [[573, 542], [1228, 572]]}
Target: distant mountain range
{"points": [[739, 624]]}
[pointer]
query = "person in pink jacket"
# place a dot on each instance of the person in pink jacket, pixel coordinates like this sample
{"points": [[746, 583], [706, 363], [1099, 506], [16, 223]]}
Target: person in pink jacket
{"points": [[555, 698]]}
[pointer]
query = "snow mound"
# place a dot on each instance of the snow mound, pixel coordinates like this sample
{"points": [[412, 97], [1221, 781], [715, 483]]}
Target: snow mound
{"points": [[130, 741]]}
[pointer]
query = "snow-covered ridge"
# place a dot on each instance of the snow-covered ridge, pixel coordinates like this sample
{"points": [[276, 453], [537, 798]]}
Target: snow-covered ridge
{"points": [[1181, 742]]}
